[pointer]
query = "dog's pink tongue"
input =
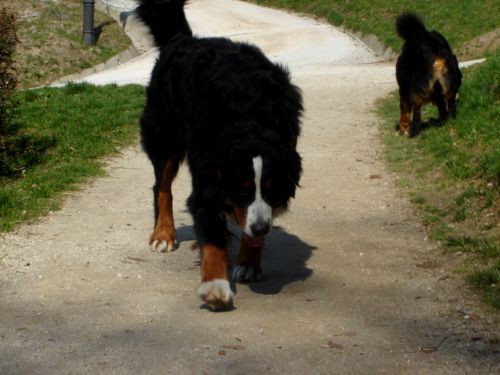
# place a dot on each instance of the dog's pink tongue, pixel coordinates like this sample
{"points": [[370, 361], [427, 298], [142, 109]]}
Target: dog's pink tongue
{"points": [[254, 241]]}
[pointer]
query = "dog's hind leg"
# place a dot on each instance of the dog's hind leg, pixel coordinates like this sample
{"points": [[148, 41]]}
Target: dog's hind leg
{"points": [[451, 104], [417, 118], [439, 101], [404, 121], [163, 237]]}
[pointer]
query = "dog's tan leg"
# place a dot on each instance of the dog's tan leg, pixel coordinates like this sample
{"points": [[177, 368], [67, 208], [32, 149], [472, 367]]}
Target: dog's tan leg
{"points": [[215, 290], [247, 266], [163, 237], [404, 121]]}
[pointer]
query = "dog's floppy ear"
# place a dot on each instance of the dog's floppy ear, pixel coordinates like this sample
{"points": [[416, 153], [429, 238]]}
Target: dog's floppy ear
{"points": [[291, 163]]}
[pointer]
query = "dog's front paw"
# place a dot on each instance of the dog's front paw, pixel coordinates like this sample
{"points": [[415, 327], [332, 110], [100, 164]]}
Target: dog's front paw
{"points": [[246, 273], [161, 243], [216, 294], [163, 246]]}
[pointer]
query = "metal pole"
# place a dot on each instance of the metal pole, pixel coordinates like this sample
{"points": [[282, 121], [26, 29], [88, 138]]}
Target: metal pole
{"points": [[88, 22]]}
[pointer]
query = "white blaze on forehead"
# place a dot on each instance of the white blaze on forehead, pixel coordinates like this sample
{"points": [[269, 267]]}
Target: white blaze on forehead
{"points": [[259, 210], [257, 168]]}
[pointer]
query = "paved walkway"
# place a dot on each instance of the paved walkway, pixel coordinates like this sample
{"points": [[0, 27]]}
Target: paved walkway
{"points": [[352, 283], [303, 44]]}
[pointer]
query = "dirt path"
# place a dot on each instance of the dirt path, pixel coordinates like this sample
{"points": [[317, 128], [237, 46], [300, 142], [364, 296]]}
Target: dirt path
{"points": [[352, 284]]}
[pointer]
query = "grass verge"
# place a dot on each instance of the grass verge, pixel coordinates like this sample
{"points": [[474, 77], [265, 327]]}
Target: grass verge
{"points": [[50, 34], [87, 123], [452, 174], [459, 20]]}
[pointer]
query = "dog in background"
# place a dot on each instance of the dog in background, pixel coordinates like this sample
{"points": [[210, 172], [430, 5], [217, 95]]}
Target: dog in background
{"points": [[235, 115], [426, 71]]}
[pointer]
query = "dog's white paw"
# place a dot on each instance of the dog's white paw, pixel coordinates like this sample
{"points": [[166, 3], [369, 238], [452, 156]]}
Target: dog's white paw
{"points": [[164, 246], [245, 274], [216, 294]]}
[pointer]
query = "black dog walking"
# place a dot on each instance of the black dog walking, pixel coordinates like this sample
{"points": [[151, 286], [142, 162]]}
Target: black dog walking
{"points": [[236, 116], [427, 70]]}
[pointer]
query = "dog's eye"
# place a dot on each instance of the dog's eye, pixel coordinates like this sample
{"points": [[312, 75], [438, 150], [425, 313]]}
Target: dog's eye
{"points": [[246, 189], [245, 192], [268, 184]]}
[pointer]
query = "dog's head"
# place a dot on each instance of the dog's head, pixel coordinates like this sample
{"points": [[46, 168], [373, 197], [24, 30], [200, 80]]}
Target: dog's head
{"points": [[257, 187]]}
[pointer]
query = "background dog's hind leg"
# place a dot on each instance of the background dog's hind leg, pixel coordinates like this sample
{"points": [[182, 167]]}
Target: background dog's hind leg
{"points": [[442, 108], [417, 119], [451, 104], [404, 121], [163, 237]]}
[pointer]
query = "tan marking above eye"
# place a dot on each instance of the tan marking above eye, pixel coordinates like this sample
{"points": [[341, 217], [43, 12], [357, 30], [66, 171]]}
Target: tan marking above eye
{"points": [[268, 184], [247, 184]]}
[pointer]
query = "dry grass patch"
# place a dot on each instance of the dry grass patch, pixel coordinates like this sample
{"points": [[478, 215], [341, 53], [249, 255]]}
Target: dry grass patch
{"points": [[50, 35]]}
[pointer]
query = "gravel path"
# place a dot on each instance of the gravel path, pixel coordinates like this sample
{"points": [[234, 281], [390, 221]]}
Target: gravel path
{"points": [[352, 284]]}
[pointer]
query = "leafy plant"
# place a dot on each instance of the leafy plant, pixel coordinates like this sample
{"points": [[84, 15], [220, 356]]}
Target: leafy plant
{"points": [[18, 150]]}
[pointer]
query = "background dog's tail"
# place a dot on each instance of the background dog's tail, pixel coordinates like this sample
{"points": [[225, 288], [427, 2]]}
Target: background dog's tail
{"points": [[165, 19], [410, 27]]}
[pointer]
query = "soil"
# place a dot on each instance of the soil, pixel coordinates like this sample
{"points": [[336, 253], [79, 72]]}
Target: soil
{"points": [[352, 284], [480, 46]]}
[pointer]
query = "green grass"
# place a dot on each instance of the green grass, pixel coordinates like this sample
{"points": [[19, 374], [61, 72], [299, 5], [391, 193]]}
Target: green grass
{"points": [[488, 280], [86, 123], [458, 20], [452, 173]]}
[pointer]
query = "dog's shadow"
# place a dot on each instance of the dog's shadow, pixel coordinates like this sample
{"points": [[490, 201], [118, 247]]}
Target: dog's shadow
{"points": [[185, 233], [98, 30], [124, 16], [283, 261]]}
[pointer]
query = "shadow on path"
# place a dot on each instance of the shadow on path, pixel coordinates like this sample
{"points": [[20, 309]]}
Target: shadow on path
{"points": [[283, 261]]}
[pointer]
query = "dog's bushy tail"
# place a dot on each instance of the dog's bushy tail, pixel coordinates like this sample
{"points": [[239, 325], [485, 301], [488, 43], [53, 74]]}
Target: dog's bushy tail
{"points": [[410, 27], [165, 19]]}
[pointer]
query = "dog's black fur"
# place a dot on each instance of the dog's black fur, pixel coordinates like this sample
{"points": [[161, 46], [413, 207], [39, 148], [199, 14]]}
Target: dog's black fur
{"points": [[221, 103], [427, 70]]}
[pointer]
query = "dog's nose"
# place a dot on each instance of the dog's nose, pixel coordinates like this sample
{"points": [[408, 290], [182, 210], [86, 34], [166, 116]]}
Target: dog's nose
{"points": [[260, 228]]}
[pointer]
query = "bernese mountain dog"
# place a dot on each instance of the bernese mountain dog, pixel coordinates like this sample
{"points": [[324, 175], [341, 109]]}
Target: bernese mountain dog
{"points": [[426, 71], [235, 115]]}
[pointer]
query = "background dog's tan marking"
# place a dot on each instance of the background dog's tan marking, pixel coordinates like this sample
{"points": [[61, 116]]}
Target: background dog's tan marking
{"points": [[440, 65], [440, 73], [404, 121]]}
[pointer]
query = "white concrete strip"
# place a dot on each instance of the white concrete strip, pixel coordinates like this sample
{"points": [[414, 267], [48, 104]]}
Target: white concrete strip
{"points": [[466, 64], [301, 43]]}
